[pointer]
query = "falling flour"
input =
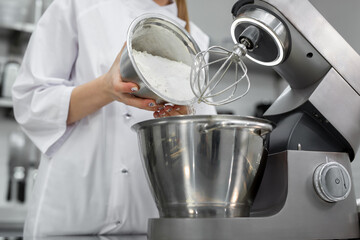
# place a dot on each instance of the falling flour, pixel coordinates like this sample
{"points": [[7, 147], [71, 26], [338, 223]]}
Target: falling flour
{"points": [[170, 78]]}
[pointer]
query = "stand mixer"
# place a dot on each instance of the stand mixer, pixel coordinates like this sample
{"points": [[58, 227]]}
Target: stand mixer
{"points": [[306, 190]]}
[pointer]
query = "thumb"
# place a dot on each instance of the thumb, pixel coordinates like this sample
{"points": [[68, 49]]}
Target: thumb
{"points": [[120, 53]]}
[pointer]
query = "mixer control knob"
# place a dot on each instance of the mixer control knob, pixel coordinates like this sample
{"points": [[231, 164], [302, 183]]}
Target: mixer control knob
{"points": [[332, 182]]}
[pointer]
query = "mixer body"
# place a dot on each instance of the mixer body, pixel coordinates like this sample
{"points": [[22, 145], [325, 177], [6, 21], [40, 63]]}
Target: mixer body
{"points": [[286, 207], [306, 191], [319, 65]]}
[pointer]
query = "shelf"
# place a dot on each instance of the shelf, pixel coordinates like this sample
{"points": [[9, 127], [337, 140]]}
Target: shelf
{"points": [[12, 216], [6, 102], [22, 27]]}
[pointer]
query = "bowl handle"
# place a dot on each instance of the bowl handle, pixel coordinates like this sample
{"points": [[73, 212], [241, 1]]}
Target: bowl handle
{"points": [[208, 127]]}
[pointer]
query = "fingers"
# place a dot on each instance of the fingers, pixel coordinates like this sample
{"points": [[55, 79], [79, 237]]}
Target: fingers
{"points": [[146, 104], [171, 110], [181, 110], [124, 91]]}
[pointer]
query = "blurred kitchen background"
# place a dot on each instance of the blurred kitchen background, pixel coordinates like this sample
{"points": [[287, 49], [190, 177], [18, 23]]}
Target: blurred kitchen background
{"points": [[19, 158]]}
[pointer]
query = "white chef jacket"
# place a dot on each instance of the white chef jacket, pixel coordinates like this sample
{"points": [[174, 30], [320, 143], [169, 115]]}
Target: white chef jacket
{"points": [[90, 178]]}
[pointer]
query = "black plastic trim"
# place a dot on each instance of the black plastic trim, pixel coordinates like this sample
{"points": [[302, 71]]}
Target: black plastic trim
{"points": [[239, 4]]}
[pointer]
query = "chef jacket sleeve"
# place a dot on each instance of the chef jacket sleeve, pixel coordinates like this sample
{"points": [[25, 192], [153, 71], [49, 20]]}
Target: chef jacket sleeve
{"points": [[41, 93]]}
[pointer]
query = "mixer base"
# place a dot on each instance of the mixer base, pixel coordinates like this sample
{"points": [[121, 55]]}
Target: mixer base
{"points": [[302, 214]]}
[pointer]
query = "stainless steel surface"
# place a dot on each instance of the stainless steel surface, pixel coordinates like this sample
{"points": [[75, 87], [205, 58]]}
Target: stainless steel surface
{"points": [[297, 67], [288, 204], [203, 166], [159, 36], [17, 236], [340, 105], [329, 97], [12, 217], [313, 71], [323, 73], [23, 158], [205, 86], [254, 31], [320, 34], [332, 182], [271, 26]]}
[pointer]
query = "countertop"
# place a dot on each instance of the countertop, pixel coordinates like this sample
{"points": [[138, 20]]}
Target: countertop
{"points": [[14, 236], [18, 236]]}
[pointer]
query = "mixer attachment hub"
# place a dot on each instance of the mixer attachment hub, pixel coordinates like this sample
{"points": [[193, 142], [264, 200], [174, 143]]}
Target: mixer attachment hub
{"points": [[250, 37]]}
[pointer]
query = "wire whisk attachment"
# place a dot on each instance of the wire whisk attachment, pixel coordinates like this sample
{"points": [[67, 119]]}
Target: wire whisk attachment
{"points": [[207, 88]]}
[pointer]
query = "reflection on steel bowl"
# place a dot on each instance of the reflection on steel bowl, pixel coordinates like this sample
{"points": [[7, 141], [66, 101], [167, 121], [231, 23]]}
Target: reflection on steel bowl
{"points": [[204, 166]]}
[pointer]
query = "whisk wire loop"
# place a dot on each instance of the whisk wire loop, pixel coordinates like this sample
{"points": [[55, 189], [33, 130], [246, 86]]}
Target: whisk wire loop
{"points": [[208, 90]]}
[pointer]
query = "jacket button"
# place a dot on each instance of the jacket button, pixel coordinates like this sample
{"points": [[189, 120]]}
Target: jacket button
{"points": [[124, 171], [127, 116]]}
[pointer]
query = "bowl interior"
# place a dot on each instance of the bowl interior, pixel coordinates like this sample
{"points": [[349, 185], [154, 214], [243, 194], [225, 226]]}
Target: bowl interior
{"points": [[160, 36]]}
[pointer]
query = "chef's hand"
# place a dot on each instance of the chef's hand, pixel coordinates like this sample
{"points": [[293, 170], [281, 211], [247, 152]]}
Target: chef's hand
{"points": [[171, 110], [121, 91]]}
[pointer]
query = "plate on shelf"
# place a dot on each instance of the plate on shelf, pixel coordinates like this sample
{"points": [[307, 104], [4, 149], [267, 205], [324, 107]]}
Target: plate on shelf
{"points": [[6, 102], [22, 27]]}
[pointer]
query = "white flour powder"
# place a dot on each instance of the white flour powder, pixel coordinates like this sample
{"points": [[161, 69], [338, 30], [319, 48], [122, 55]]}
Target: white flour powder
{"points": [[170, 78]]}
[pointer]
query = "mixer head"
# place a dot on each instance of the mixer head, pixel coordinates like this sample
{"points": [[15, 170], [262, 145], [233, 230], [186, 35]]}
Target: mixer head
{"points": [[263, 42]]}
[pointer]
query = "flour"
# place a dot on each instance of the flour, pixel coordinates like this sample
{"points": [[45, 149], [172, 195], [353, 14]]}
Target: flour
{"points": [[171, 79]]}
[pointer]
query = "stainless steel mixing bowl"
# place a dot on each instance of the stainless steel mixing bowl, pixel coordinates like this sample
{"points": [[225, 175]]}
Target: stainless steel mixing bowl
{"points": [[203, 166], [160, 36]]}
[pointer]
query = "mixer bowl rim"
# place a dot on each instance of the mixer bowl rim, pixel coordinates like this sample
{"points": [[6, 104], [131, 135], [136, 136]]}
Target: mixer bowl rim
{"points": [[130, 34], [246, 122]]}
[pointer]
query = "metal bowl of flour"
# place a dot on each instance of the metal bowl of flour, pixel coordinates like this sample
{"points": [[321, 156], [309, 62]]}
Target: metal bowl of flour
{"points": [[159, 36], [204, 166]]}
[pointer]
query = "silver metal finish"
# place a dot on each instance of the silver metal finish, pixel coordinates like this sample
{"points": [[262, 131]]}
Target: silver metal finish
{"points": [[321, 68], [286, 207], [23, 157], [160, 36], [203, 166], [303, 194], [302, 65], [205, 87], [271, 26], [306, 19], [328, 97], [250, 24], [332, 182]]}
